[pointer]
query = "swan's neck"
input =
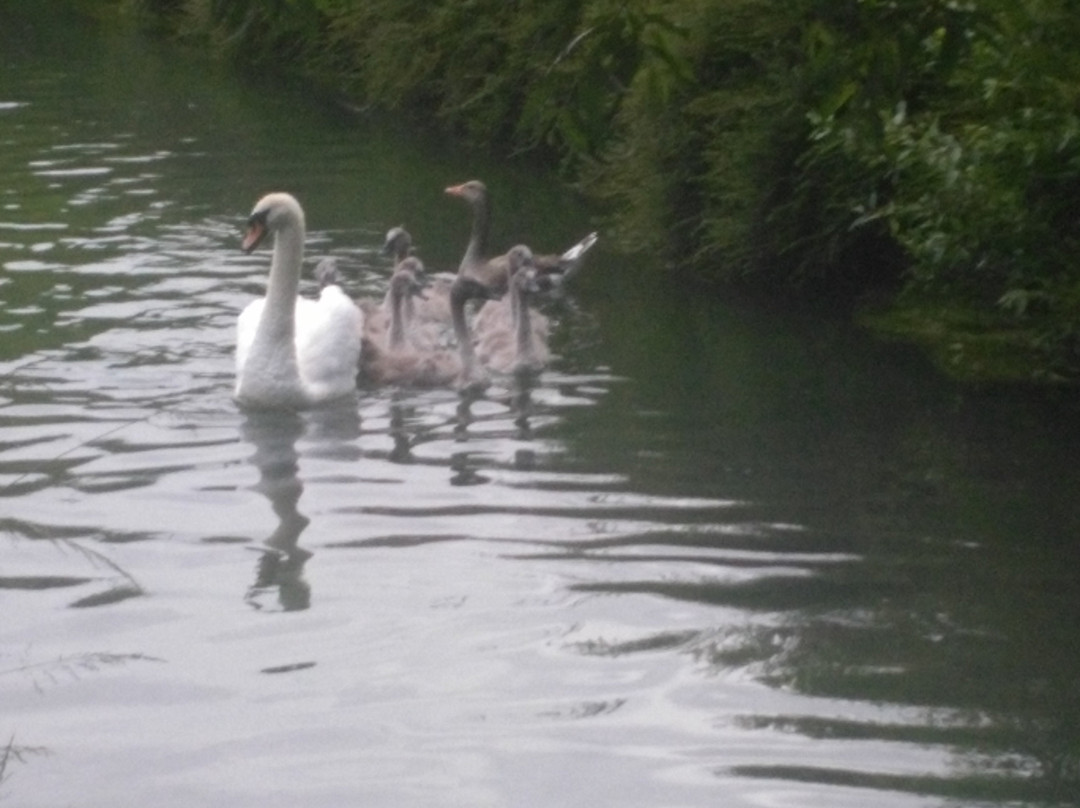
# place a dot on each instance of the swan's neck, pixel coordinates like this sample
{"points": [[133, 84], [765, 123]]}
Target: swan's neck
{"points": [[278, 321], [476, 250], [271, 373]]}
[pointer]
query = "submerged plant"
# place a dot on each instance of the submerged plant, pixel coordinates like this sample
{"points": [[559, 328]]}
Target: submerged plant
{"points": [[17, 754], [124, 585], [73, 667]]}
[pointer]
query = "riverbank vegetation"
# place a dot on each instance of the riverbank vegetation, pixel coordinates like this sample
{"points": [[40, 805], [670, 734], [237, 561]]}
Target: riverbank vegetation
{"points": [[924, 150]]}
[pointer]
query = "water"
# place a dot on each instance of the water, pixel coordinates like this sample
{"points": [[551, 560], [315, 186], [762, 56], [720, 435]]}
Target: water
{"points": [[717, 555]]}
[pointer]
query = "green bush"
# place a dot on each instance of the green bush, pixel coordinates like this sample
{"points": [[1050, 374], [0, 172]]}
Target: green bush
{"points": [[815, 144]]}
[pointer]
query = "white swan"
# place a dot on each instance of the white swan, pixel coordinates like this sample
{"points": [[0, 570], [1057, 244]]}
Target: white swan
{"points": [[292, 352]]}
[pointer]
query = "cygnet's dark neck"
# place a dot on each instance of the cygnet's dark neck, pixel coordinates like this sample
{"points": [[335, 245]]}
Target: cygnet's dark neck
{"points": [[522, 319], [397, 318], [459, 297]]}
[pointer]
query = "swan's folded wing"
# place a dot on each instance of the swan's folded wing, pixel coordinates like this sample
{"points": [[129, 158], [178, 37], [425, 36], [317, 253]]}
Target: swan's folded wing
{"points": [[328, 332]]}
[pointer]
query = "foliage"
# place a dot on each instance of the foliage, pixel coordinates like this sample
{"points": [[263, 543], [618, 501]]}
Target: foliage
{"points": [[469, 65], [683, 169], [814, 144], [978, 185]]}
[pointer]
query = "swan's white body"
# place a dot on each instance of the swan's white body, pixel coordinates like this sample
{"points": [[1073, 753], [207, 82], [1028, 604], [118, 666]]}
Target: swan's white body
{"points": [[292, 352]]}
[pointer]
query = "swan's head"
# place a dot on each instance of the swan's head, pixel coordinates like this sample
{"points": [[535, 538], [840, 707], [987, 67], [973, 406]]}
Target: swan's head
{"points": [[398, 242], [271, 213], [472, 191]]}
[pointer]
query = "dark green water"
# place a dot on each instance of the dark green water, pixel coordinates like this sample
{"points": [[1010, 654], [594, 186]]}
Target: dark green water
{"points": [[718, 555]]}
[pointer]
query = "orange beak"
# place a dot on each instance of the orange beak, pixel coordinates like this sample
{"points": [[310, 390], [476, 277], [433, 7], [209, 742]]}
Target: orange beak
{"points": [[255, 233], [455, 190]]}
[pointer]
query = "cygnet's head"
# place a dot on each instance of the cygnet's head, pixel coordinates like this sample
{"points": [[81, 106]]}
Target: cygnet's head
{"points": [[408, 279], [398, 243], [519, 257], [271, 213], [326, 273]]}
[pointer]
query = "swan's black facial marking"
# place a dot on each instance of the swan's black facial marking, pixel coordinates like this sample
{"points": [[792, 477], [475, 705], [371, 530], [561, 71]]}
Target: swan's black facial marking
{"points": [[256, 230]]}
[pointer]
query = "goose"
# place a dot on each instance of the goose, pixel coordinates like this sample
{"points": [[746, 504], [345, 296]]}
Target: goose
{"points": [[510, 337], [404, 354], [292, 352], [494, 271]]}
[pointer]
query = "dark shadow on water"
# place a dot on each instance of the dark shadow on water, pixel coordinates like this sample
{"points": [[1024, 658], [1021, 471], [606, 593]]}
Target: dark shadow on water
{"points": [[517, 397], [399, 433], [933, 635], [521, 406]]}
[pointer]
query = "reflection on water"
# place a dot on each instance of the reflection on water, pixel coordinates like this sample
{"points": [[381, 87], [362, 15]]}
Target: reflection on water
{"points": [[279, 577], [280, 571], [713, 555]]}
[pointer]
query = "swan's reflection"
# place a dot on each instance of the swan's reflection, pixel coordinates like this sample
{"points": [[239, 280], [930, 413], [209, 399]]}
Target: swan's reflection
{"points": [[279, 573], [280, 569]]}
